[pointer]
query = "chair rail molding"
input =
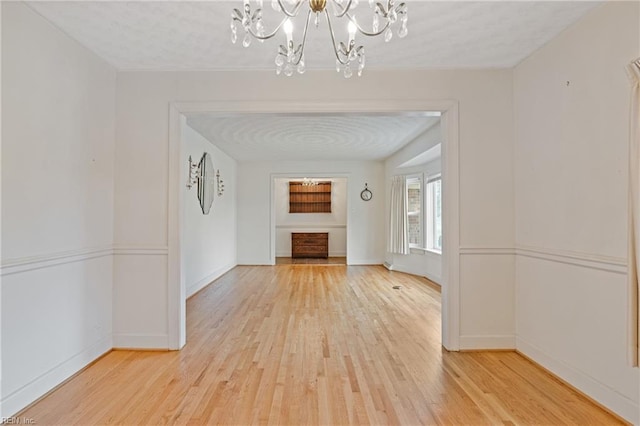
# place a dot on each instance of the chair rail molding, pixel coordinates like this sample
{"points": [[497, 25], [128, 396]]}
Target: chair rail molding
{"points": [[141, 250], [29, 263], [616, 265]]}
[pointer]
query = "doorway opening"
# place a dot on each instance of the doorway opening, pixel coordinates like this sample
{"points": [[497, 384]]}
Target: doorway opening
{"points": [[450, 190]]}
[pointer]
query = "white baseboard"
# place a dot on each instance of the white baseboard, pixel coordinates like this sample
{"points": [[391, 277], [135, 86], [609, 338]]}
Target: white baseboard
{"points": [[30, 392], [140, 341], [603, 394], [506, 341], [199, 285], [365, 262], [435, 279], [402, 268]]}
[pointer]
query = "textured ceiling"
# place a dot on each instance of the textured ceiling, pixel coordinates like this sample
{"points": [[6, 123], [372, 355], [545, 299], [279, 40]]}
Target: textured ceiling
{"points": [[309, 137], [196, 35]]}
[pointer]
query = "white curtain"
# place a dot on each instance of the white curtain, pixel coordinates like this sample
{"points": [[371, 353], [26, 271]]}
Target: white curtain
{"points": [[398, 239], [634, 210]]}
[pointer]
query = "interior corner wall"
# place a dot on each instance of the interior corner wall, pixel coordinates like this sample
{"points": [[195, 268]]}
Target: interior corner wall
{"points": [[209, 241], [571, 160], [428, 263], [58, 133], [334, 223]]}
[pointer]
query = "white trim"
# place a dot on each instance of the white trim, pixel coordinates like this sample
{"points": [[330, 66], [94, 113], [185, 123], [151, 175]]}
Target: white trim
{"points": [[586, 260], [36, 388], [413, 249], [209, 279], [487, 342], [29, 263], [433, 278], [176, 286], [450, 281], [405, 270], [310, 225], [140, 341], [610, 398], [140, 251], [176, 305], [487, 250], [365, 262]]}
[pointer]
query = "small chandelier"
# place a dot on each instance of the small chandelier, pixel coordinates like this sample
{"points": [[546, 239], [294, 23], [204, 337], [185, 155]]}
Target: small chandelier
{"points": [[309, 182], [291, 55]]}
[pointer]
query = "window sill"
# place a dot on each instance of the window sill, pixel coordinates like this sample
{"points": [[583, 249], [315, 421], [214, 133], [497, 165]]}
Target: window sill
{"points": [[434, 251]]}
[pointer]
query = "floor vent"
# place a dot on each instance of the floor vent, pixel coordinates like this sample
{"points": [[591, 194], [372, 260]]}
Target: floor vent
{"points": [[388, 265]]}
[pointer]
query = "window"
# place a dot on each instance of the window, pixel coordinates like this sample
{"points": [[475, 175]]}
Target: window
{"points": [[434, 214], [414, 212]]}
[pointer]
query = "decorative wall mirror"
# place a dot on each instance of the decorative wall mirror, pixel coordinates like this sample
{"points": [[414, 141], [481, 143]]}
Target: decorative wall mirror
{"points": [[206, 183]]}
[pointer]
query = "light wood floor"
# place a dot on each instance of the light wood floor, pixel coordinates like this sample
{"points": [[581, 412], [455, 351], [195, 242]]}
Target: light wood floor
{"points": [[306, 344]]}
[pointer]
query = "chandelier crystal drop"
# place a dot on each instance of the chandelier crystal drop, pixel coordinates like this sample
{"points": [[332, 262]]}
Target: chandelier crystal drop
{"points": [[290, 56]]}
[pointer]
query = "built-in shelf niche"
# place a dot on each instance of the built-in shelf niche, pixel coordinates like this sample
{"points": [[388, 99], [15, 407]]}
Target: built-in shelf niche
{"points": [[310, 198]]}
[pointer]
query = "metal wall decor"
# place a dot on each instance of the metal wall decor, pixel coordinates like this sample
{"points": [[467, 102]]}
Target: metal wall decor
{"points": [[202, 174], [206, 187], [194, 173], [219, 183]]}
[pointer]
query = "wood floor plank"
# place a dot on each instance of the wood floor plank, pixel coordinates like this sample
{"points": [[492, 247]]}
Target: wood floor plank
{"points": [[315, 345]]}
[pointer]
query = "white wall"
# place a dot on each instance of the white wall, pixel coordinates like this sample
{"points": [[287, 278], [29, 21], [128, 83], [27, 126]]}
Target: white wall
{"points": [[141, 200], [335, 223], [1, 410], [571, 153], [424, 263], [58, 113], [209, 240]]}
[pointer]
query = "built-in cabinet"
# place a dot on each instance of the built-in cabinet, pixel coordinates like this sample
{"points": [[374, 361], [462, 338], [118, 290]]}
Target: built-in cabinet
{"points": [[314, 198]]}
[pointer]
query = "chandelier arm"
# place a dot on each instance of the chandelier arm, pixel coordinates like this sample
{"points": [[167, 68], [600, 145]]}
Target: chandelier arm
{"points": [[296, 8], [268, 36], [367, 33], [344, 10], [333, 39], [304, 39]]}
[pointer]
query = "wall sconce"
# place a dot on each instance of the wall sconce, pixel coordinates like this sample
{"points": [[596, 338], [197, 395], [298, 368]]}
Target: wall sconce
{"points": [[194, 173], [220, 183]]}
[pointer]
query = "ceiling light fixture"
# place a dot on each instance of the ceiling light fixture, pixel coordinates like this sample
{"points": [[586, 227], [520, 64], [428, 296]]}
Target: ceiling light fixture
{"points": [[290, 57], [309, 182]]}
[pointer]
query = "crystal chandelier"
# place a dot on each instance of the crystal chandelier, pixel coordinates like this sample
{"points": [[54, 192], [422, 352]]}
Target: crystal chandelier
{"points": [[290, 57], [309, 182]]}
